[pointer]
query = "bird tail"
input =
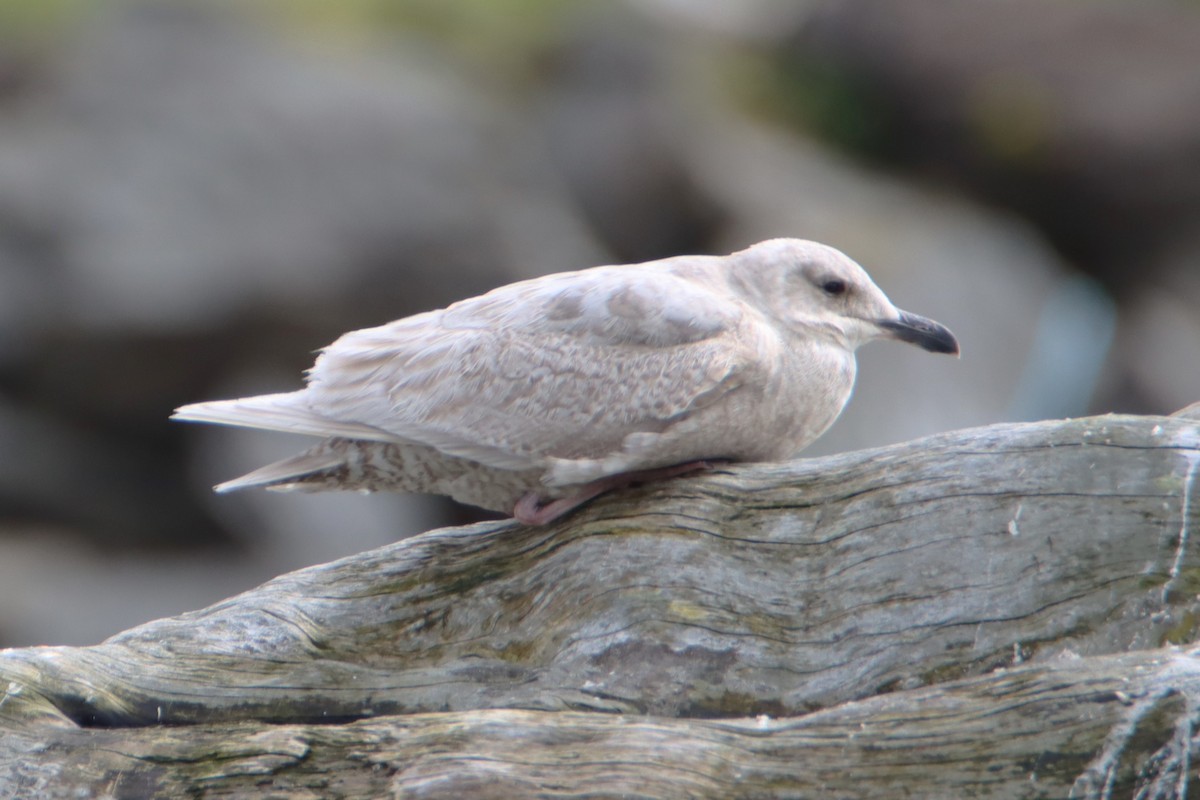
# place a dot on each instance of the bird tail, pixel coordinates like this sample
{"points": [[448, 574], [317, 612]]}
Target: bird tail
{"points": [[286, 412], [307, 471]]}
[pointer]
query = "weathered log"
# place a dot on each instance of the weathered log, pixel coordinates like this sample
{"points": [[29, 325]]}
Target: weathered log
{"points": [[998, 568], [1112, 722]]}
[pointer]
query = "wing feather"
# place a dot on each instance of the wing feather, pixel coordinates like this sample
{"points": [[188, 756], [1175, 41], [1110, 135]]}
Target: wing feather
{"points": [[563, 367]]}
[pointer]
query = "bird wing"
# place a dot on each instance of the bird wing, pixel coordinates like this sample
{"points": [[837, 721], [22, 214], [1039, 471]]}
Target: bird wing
{"points": [[562, 367]]}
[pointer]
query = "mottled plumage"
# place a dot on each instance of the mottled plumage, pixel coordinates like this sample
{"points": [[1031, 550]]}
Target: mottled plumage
{"points": [[558, 387]]}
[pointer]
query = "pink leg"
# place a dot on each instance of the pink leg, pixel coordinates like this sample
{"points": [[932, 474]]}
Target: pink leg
{"points": [[530, 511]]}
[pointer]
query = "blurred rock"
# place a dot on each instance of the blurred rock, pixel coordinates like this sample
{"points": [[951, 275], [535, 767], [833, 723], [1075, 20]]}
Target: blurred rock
{"points": [[1084, 117], [612, 128], [192, 169], [1072, 340], [748, 19], [1157, 361], [58, 589], [56, 471], [184, 195]]}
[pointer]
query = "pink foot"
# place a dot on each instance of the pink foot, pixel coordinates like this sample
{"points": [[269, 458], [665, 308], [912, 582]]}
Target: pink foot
{"points": [[529, 510]]}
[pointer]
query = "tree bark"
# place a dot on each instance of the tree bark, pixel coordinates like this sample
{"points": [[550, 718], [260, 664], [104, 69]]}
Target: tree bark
{"points": [[1004, 610]]}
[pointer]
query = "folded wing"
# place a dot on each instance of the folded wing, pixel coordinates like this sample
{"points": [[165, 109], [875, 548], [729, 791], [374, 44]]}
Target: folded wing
{"points": [[562, 367]]}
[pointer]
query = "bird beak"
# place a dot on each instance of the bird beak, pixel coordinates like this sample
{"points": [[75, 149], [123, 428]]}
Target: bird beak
{"points": [[921, 331]]}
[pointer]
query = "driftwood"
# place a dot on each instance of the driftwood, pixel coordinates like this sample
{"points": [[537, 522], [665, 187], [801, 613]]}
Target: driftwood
{"points": [[1004, 611]]}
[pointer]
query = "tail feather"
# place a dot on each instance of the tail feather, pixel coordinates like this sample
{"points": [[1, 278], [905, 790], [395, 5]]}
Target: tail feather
{"points": [[276, 412], [285, 474]]}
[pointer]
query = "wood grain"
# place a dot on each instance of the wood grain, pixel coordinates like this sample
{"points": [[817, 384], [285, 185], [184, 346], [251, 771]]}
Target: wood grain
{"points": [[964, 611]]}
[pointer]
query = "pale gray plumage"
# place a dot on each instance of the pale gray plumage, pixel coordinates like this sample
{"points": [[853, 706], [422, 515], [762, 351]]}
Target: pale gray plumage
{"points": [[539, 389]]}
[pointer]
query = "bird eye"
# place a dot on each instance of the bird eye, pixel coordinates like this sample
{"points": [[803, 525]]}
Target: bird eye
{"points": [[834, 287]]}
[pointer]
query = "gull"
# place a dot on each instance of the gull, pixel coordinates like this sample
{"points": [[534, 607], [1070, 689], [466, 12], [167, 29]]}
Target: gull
{"points": [[538, 396]]}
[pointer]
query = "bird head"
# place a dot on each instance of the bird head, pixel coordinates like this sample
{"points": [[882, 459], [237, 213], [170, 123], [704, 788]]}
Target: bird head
{"points": [[816, 290]]}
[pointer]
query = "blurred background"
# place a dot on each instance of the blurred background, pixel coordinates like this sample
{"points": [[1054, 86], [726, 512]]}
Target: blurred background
{"points": [[195, 196]]}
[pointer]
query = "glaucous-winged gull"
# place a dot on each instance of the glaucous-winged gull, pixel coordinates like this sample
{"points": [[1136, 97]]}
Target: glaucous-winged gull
{"points": [[538, 396]]}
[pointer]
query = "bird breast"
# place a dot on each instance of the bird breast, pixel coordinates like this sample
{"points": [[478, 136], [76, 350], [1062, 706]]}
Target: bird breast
{"points": [[806, 394]]}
